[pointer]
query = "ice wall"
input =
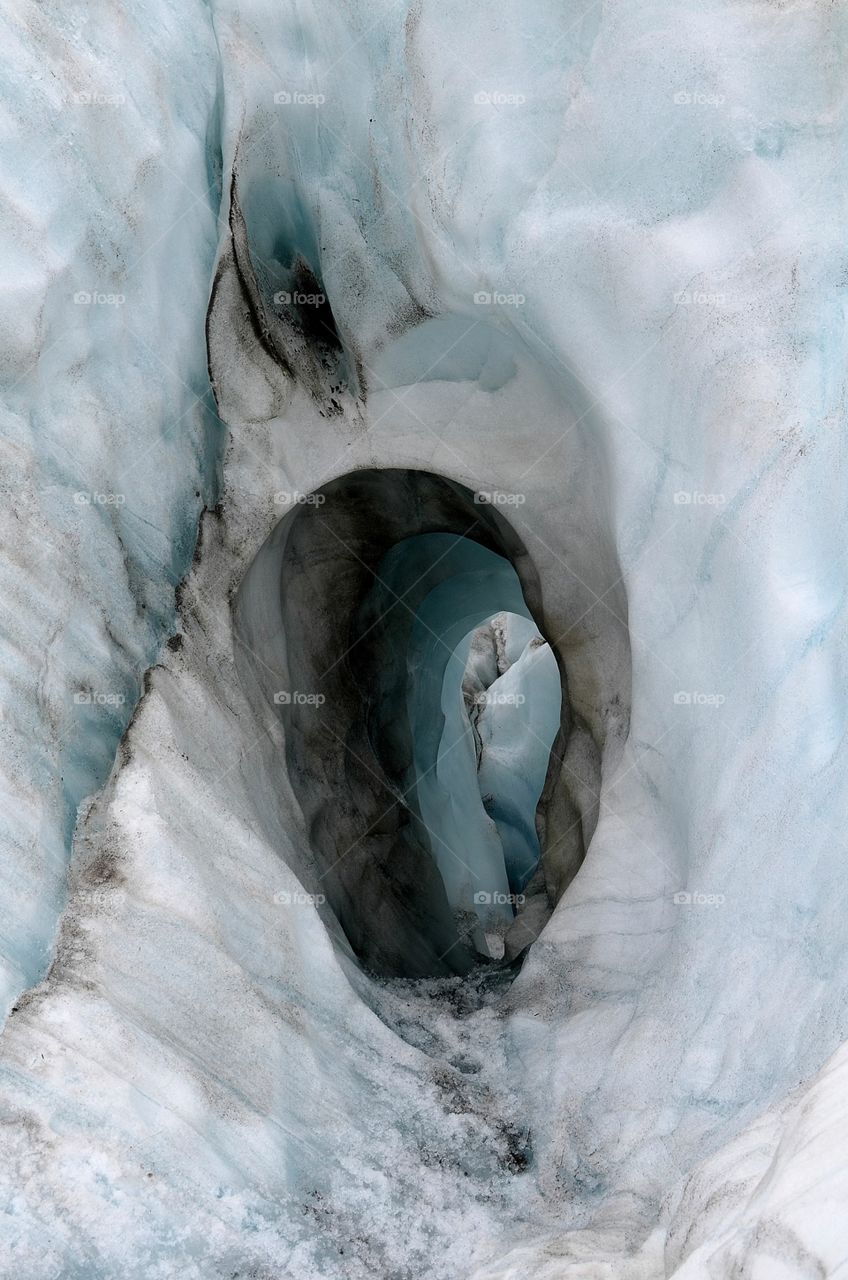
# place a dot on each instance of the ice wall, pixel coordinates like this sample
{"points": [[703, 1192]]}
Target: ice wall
{"points": [[110, 172]]}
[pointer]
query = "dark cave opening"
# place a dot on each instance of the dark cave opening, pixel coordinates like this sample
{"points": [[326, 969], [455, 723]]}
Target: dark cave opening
{"points": [[391, 619]]}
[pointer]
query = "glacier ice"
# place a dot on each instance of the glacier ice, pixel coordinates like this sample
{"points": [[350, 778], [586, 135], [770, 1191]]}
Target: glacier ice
{"points": [[586, 265], [109, 437]]}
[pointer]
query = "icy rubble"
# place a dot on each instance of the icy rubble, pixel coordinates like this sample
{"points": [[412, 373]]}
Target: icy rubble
{"points": [[647, 203]]}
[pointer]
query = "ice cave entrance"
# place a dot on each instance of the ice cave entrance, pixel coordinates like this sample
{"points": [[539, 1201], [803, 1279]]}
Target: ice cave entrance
{"points": [[482, 698], [392, 625]]}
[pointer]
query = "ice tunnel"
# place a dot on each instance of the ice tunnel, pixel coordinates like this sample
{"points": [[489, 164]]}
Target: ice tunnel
{"points": [[392, 622]]}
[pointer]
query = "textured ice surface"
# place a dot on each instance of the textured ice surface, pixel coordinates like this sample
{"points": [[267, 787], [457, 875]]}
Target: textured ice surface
{"points": [[648, 202], [111, 187]]}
